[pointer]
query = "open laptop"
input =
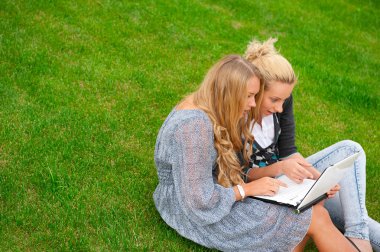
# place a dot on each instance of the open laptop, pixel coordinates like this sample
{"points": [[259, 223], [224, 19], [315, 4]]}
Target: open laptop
{"points": [[309, 192]]}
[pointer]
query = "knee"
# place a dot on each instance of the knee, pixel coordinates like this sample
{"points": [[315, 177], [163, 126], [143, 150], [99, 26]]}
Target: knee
{"points": [[352, 144], [320, 220], [321, 215]]}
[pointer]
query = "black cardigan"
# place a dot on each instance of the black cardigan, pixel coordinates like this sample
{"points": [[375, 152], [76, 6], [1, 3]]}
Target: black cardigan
{"points": [[286, 141]]}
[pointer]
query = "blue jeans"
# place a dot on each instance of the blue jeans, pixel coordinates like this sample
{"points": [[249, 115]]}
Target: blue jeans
{"points": [[347, 209]]}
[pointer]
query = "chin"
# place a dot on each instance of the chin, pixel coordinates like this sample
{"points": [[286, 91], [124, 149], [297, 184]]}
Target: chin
{"points": [[244, 115], [269, 113]]}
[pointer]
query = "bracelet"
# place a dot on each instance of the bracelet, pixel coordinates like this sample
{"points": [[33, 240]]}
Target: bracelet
{"points": [[241, 191]]}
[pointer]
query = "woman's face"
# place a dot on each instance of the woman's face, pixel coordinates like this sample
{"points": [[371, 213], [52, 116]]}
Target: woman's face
{"points": [[274, 97], [253, 87]]}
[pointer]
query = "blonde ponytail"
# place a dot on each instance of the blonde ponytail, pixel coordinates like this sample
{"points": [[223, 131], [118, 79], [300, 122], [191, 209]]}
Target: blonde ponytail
{"points": [[256, 49], [272, 65]]}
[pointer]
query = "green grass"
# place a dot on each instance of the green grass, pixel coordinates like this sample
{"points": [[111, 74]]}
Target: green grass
{"points": [[86, 85]]}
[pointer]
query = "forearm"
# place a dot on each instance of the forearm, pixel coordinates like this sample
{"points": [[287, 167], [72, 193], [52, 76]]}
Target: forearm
{"points": [[262, 186], [294, 155], [272, 170]]}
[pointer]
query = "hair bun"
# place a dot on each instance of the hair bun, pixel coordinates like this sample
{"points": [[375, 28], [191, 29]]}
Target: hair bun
{"points": [[256, 49]]}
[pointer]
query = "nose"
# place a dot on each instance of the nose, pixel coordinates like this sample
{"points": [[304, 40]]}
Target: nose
{"points": [[279, 107], [252, 103]]}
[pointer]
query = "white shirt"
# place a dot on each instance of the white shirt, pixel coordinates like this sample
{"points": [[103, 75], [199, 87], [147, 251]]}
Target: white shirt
{"points": [[264, 134]]}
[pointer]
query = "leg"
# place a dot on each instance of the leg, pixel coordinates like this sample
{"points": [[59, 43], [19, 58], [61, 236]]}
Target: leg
{"points": [[347, 209], [374, 234], [335, 209], [301, 246], [325, 235]]}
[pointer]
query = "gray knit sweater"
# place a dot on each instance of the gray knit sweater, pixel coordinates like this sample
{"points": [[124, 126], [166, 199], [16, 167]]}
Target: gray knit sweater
{"points": [[191, 202]]}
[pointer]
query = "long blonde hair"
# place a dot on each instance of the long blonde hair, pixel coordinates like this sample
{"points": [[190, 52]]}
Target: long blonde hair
{"points": [[272, 65], [223, 95]]}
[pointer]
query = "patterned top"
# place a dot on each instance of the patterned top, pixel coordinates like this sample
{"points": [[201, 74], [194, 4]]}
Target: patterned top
{"points": [[262, 157], [190, 201]]}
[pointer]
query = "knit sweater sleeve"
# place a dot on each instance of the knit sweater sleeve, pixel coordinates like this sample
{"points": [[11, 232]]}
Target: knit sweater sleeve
{"points": [[286, 140], [203, 201]]}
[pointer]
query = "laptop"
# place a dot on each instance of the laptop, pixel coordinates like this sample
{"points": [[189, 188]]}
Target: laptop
{"points": [[309, 192]]}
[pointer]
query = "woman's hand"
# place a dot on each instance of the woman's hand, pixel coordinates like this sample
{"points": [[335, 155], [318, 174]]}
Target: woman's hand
{"points": [[301, 160], [333, 191], [297, 169], [264, 186]]}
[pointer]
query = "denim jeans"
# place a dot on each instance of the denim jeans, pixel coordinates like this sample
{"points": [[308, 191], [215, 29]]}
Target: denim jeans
{"points": [[347, 209]]}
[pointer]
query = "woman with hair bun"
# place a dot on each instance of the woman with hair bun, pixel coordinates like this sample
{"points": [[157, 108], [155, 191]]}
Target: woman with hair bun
{"points": [[201, 193], [275, 153]]}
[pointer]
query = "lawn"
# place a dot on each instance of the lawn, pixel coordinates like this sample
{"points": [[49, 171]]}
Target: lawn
{"points": [[86, 85]]}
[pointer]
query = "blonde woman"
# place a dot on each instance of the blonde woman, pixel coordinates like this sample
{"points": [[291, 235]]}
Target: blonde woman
{"points": [[201, 193], [275, 153]]}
